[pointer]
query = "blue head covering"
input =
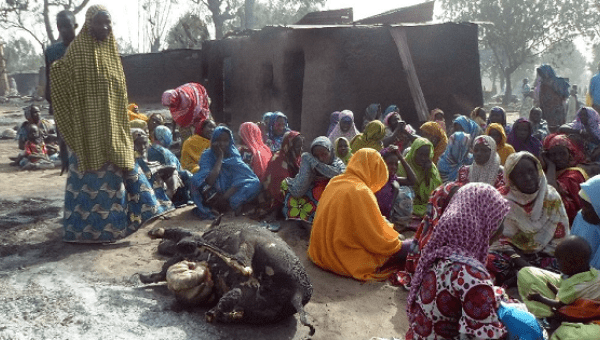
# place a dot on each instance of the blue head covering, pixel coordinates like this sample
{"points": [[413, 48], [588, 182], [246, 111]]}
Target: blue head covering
{"points": [[163, 136], [468, 126], [266, 118], [275, 141], [391, 108], [456, 155]]}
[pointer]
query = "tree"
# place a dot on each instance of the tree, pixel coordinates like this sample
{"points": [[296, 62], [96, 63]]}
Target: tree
{"points": [[25, 15], [189, 32], [520, 30], [252, 14], [20, 55], [157, 16], [125, 47]]}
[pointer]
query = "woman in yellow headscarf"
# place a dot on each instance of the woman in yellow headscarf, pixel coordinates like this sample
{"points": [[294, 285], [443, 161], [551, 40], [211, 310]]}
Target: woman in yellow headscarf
{"points": [[134, 113], [371, 138], [349, 235], [437, 136], [108, 196], [504, 149]]}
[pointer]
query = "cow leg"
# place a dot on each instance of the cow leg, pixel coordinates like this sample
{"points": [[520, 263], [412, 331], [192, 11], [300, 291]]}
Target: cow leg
{"points": [[174, 234], [226, 310]]}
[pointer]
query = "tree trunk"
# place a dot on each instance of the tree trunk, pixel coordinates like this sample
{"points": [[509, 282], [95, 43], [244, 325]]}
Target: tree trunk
{"points": [[155, 45], [47, 24], [249, 11], [508, 90], [218, 21]]}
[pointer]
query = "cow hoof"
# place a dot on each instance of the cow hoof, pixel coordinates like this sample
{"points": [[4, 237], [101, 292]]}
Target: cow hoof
{"points": [[157, 233]]}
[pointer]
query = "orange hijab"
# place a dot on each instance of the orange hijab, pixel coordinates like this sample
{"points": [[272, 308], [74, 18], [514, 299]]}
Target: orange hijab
{"points": [[349, 235], [504, 149], [435, 129]]}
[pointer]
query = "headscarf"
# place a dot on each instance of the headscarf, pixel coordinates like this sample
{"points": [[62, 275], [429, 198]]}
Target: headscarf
{"points": [[282, 166], [273, 141], [388, 115], [433, 128], [345, 115], [199, 127], [465, 229], [370, 138], [534, 218], [532, 145], [346, 158], [468, 126], [234, 172], [488, 172], [334, 118], [555, 139], [441, 123], [99, 132], [421, 187], [456, 155], [132, 107], [504, 149], [498, 109], [163, 136], [371, 111], [188, 104], [261, 154], [593, 126], [349, 235], [390, 109]]}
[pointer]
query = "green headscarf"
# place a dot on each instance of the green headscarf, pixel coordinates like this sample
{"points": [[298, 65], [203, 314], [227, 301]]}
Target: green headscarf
{"points": [[346, 158], [422, 188]]}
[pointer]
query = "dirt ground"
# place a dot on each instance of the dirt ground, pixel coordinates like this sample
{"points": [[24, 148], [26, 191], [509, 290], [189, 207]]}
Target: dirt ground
{"points": [[55, 290]]}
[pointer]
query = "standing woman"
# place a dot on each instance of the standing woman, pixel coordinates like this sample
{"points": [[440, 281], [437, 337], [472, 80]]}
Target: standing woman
{"points": [[108, 196]]}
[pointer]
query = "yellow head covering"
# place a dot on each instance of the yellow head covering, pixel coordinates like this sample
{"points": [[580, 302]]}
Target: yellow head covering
{"points": [[435, 129], [504, 149], [89, 97]]}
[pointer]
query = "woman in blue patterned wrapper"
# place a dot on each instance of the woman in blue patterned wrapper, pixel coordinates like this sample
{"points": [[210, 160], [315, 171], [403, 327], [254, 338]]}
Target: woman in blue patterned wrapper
{"points": [[108, 196]]}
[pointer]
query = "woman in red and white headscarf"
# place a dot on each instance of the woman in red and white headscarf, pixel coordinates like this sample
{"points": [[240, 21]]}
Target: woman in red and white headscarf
{"points": [[486, 167], [254, 152], [189, 105]]}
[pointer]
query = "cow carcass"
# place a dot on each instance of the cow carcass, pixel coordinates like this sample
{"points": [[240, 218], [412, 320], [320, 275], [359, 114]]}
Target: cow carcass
{"points": [[248, 273]]}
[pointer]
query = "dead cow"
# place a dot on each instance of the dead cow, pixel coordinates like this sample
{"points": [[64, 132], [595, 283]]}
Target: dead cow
{"points": [[251, 274]]}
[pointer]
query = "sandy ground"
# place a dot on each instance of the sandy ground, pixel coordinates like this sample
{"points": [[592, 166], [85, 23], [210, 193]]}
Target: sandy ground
{"points": [[54, 290]]}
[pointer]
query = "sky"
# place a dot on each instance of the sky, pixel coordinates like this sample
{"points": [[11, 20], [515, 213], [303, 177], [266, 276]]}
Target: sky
{"points": [[126, 18]]}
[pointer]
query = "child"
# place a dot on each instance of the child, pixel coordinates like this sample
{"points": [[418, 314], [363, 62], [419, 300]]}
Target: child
{"points": [[34, 155], [342, 149], [395, 198], [539, 125], [544, 291], [587, 221]]}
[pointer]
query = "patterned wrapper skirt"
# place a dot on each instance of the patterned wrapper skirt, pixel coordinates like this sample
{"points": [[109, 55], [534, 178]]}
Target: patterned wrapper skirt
{"points": [[109, 204], [302, 208]]}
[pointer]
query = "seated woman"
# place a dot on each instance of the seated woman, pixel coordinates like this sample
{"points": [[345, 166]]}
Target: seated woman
{"points": [[349, 235], [452, 270], [159, 152], [419, 158], [437, 116], [521, 137], [371, 138], [254, 152], [456, 155], [278, 126], [372, 112], [437, 136], [586, 126], [563, 161], [194, 146], [285, 163], [478, 116], [496, 131], [342, 149], [486, 167], [464, 124], [539, 125], [536, 223], [587, 221], [498, 115], [334, 119], [224, 181], [397, 132], [436, 206], [396, 196], [303, 192], [345, 127], [35, 155], [154, 120]]}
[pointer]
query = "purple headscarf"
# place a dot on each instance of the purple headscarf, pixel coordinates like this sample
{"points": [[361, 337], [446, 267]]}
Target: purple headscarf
{"points": [[532, 145], [465, 229], [337, 131]]}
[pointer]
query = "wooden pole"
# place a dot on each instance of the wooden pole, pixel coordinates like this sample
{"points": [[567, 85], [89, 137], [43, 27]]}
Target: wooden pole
{"points": [[3, 73]]}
